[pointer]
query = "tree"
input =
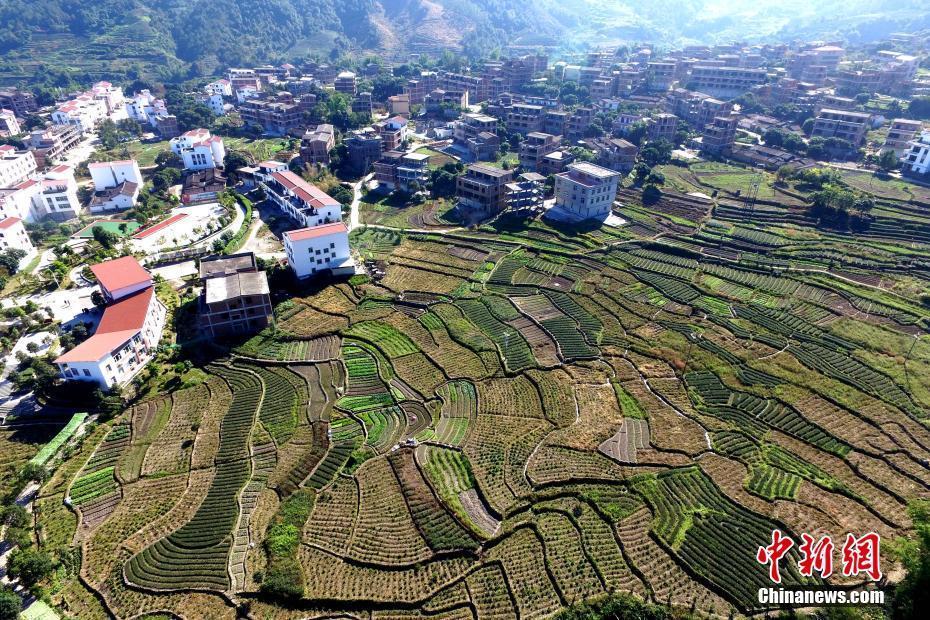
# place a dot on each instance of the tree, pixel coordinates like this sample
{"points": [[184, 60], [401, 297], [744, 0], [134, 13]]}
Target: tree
{"points": [[165, 178], [108, 134], [104, 237], [656, 153], [10, 605], [235, 160], [9, 259], [913, 592], [919, 107], [442, 183], [30, 566], [169, 159], [887, 160], [773, 138], [808, 126]]}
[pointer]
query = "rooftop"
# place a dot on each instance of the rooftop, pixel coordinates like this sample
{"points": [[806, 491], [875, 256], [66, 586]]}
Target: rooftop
{"points": [[121, 321], [489, 170], [593, 170], [226, 265], [120, 273], [235, 285], [303, 234], [8, 221], [307, 192]]}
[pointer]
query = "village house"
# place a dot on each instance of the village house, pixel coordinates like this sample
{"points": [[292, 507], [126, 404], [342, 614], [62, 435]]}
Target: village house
{"points": [[116, 185], [129, 330], [13, 236], [199, 150], [304, 202], [586, 191], [319, 249], [235, 297]]}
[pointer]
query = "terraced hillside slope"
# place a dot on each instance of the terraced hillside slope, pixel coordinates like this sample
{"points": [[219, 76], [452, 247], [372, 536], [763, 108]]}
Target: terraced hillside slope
{"points": [[521, 417]]}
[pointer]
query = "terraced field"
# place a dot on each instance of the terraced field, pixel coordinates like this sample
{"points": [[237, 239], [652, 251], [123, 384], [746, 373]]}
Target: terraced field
{"points": [[518, 418]]}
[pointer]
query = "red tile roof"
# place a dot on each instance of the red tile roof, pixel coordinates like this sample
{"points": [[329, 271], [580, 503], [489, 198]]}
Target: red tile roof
{"points": [[309, 193], [8, 221], [107, 164], [151, 230], [121, 321], [120, 273], [313, 232]]}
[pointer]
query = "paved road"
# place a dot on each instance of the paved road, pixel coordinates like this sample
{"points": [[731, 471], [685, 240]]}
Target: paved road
{"points": [[356, 199]]}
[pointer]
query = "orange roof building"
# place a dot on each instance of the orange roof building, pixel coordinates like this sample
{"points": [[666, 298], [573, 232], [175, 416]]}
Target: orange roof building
{"points": [[129, 330]]}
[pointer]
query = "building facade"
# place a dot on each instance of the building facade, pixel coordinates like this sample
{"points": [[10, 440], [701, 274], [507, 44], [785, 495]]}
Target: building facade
{"points": [[320, 249], [199, 150], [482, 189], [586, 191], [235, 298], [304, 202]]}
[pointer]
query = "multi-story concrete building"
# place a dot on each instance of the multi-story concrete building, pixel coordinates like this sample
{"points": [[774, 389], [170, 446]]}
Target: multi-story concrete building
{"points": [[58, 198], [199, 150], [167, 126], [447, 103], [900, 134], [304, 202], [554, 162], [49, 145], [526, 193], [663, 127], [614, 153], [15, 166], [916, 159], [719, 135], [346, 83], [524, 118], [22, 103], [724, 81], [850, 126], [364, 147], [386, 169], [417, 89], [393, 132], [128, 333], [661, 74], [482, 189], [320, 249], [280, 115], [586, 191], [102, 100], [9, 126], [399, 104], [201, 186], [235, 298], [13, 236], [116, 185], [535, 146], [317, 143], [476, 134], [221, 87], [144, 107]]}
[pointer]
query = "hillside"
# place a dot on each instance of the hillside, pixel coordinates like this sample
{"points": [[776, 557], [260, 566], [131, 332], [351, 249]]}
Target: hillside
{"points": [[174, 39]]}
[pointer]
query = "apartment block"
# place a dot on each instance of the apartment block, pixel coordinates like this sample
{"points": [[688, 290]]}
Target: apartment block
{"points": [[346, 83], [235, 298], [586, 191], [304, 202], [718, 136], [199, 150], [482, 189], [526, 193], [15, 166], [535, 146], [851, 126], [317, 143], [900, 134], [916, 159], [49, 145], [21, 102], [724, 81]]}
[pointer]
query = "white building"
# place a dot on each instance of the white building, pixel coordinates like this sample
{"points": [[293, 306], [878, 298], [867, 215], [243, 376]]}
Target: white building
{"points": [[13, 236], [303, 201], [108, 174], [319, 249], [144, 107], [199, 149], [128, 333], [214, 102], [116, 185], [54, 195], [9, 126], [916, 158], [84, 112], [585, 191], [222, 87], [15, 166], [59, 197]]}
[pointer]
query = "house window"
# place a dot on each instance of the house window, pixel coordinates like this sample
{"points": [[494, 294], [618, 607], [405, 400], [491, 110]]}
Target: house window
{"points": [[86, 373]]}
